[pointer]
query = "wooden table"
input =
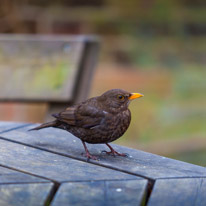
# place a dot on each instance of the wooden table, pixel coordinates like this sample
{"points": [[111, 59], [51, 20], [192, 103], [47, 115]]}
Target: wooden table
{"points": [[46, 168]]}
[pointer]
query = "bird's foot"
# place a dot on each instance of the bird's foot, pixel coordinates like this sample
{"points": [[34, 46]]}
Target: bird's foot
{"points": [[89, 156], [115, 153]]}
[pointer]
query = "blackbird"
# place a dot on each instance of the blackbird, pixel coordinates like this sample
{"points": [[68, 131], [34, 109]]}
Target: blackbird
{"points": [[98, 120]]}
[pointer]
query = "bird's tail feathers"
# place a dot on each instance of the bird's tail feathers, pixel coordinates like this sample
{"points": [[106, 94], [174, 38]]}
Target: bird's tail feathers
{"points": [[45, 125]]}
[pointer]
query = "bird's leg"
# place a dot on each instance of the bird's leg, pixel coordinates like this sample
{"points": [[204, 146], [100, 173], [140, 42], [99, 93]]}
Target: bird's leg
{"points": [[88, 155], [113, 152]]}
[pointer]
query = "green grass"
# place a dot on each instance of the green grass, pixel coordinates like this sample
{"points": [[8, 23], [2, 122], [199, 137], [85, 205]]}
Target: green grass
{"points": [[197, 157]]}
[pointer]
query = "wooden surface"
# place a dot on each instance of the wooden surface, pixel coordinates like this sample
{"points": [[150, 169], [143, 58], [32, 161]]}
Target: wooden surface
{"points": [[46, 168]]}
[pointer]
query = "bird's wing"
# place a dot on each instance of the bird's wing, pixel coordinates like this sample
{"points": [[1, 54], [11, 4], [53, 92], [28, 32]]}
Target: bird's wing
{"points": [[82, 116]]}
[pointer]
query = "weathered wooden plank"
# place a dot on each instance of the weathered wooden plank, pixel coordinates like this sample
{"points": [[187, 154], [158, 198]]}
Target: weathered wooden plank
{"points": [[139, 162], [101, 193], [4, 126], [179, 192], [12, 176], [53, 166], [24, 194]]}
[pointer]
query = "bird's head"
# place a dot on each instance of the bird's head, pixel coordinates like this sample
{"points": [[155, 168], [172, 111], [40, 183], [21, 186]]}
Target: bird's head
{"points": [[118, 99]]}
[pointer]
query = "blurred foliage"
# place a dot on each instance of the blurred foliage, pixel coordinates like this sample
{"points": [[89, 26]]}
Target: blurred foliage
{"points": [[162, 40], [90, 16], [198, 157]]}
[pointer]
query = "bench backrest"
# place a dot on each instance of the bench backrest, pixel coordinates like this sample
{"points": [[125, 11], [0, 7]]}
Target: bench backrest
{"points": [[42, 68], [46, 68]]}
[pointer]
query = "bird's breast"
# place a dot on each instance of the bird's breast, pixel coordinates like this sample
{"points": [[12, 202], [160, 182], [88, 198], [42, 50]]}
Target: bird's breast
{"points": [[111, 128], [118, 124]]}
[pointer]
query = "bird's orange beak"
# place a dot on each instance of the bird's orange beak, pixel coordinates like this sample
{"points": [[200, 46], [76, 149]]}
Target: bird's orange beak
{"points": [[135, 96]]}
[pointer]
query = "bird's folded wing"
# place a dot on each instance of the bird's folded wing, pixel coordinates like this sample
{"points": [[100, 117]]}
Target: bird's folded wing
{"points": [[83, 116]]}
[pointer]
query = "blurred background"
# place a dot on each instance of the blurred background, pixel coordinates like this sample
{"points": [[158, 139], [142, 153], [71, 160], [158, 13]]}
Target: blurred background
{"points": [[156, 47]]}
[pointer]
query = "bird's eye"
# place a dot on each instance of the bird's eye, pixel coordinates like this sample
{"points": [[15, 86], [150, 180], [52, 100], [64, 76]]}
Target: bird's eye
{"points": [[120, 97]]}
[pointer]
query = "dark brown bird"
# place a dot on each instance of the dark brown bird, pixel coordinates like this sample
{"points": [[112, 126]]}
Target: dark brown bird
{"points": [[98, 120]]}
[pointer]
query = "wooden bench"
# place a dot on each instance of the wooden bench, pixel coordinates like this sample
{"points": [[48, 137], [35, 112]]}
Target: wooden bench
{"points": [[46, 168], [47, 69]]}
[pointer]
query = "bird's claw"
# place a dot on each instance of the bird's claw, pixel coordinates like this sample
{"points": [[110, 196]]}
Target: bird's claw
{"points": [[89, 156], [104, 151], [125, 154], [115, 153]]}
